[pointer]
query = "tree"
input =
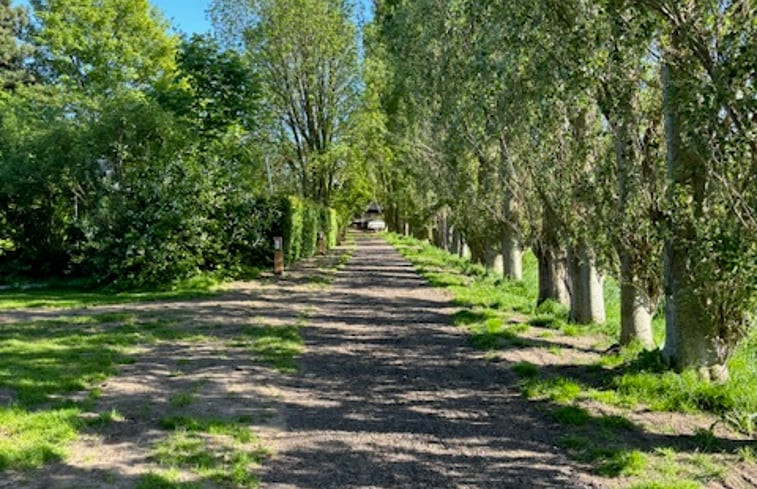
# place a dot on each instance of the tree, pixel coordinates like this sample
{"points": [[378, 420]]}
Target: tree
{"points": [[222, 89], [306, 51], [101, 47], [711, 240], [42, 157], [13, 22]]}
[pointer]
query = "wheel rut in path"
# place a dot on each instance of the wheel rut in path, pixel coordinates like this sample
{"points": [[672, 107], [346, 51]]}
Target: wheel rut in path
{"points": [[390, 395]]}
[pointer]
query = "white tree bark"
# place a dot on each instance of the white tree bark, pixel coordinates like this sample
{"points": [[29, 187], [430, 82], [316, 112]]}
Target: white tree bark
{"points": [[512, 257], [493, 259], [587, 303], [636, 308]]}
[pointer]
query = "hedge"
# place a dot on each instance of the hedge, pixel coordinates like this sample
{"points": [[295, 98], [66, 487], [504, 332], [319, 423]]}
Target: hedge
{"points": [[301, 222]]}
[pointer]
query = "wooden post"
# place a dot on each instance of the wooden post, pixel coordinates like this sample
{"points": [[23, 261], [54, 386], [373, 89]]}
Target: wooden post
{"points": [[278, 255], [321, 243]]}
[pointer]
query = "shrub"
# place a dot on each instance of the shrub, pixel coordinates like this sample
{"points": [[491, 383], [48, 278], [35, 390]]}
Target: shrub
{"points": [[301, 223]]}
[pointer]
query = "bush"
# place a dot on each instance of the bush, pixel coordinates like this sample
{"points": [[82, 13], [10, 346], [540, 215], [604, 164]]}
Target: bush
{"points": [[301, 223], [332, 228]]}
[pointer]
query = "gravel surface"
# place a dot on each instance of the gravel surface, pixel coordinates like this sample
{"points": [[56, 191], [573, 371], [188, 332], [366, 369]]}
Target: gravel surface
{"points": [[390, 395]]}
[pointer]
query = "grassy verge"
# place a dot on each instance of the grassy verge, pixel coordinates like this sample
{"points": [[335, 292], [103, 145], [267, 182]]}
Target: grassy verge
{"points": [[75, 294], [67, 298], [501, 315], [42, 361], [50, 370]]}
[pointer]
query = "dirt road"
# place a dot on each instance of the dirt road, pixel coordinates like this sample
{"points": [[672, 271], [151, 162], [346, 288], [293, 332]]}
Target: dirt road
{"points": [[391, 396]]}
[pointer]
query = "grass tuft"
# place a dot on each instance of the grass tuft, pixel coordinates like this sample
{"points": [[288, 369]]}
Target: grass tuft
{"points": [[622, 463], [277, 346], [571, 415], [526, 370], [560, 390], [29, 440]]}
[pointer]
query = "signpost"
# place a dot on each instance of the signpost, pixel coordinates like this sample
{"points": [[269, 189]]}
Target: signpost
{"points": [[278, 255]]}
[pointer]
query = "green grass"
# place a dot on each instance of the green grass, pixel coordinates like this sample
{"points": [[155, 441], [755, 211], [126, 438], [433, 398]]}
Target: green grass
{"points": [[236, 429], [277, 346], [671, 484], [168, 479], [183, 399], [213, 450], [76, 293], [42, 362], [526, 370], [560, 390], [623, 463], [30, 439], [746, 455], [75, 298], [572, 415]]}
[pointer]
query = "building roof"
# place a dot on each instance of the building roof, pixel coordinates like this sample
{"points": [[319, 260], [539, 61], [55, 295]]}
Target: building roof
{"points": [[374, 208]]}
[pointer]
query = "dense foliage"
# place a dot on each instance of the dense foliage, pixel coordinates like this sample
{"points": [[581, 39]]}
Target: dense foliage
{"points": [[134, 160], [610, 137]]}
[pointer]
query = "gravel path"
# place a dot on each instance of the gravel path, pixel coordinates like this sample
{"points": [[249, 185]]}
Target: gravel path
{"points": [[391, 396]]}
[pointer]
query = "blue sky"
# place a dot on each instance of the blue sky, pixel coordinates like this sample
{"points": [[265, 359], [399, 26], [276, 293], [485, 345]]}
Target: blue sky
{"points": [[185, 15], [189, 15]]}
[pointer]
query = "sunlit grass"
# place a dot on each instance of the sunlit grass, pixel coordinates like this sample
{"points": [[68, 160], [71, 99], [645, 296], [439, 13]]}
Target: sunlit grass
{"points": [[276, 346], [223, 451], [73, 298], [30, 439]]}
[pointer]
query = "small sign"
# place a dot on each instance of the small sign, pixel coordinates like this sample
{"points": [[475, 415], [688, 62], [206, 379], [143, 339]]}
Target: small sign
{"points": [[278, 243]]}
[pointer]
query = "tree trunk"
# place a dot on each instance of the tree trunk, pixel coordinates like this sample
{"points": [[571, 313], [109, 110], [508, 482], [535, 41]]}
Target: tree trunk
{"points": [[636, 307], [691, 336], [553, 275], [512, 257], [587, 303], [457, 242], [444, 231], [477, 251], [493, 259], [465, 251], [553, 264]]}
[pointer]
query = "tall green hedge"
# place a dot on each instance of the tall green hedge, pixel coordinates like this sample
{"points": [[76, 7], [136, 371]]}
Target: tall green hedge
{"points": [[302, 221], [333, 228]]}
